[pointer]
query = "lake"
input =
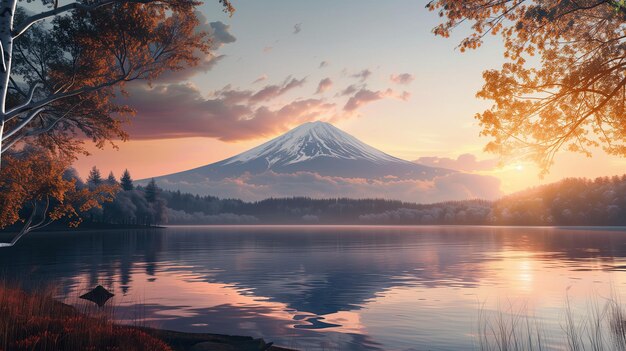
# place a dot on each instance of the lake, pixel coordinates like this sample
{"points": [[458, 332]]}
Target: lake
{"points": [[333, 288]]}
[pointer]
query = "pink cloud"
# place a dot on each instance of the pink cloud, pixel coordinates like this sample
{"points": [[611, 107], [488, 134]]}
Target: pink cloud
{"points": [[324, 85], [404, 78], [260, 79], [272, 91], [365, 96], [166, 111], [230, 115], [362, 75]]}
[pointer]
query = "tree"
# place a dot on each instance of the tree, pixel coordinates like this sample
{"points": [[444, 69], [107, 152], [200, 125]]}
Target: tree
{"points": [[111, 180], [572, 96], [60, 79], [94, 178], [126, 181], [151, 191], [37, 187]]}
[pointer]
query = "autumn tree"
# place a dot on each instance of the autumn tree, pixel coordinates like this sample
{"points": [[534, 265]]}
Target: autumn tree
{"points": [[563, 83], [37, 187], [61, 69], [58, 79]]}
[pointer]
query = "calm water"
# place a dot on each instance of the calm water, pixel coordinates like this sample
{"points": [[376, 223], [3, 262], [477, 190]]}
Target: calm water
{"points": [[332, 288]]}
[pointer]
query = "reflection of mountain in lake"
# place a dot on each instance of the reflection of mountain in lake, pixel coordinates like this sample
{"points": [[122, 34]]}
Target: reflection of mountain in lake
{"points": [[315, 270], [301, 274]]}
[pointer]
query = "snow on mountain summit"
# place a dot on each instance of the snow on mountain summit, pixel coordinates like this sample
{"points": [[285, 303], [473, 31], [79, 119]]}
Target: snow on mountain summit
{"points": [[312, 140], [316, 148]]}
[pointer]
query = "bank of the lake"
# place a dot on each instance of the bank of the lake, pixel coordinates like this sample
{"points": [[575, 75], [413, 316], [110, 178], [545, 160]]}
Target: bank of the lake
{"points": [[37, 321]]}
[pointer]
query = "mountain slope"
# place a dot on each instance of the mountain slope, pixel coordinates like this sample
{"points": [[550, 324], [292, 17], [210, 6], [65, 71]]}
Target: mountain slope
{"points": [[315, 147]]}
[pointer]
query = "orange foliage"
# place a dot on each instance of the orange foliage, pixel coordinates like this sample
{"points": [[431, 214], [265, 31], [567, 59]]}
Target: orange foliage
{"points": [[571, 96], [37, 176], [75, 68]]}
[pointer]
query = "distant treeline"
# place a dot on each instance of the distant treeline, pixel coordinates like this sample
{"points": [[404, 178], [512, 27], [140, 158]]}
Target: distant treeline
{"points": [[131, 206], [574, 201]]}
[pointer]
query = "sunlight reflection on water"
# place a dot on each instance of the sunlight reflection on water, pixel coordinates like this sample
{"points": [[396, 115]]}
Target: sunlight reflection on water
{"points": [[320, 288]]}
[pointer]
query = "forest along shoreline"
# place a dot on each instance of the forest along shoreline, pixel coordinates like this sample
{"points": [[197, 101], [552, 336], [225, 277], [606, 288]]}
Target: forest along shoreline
{"points": [[570, 202]]}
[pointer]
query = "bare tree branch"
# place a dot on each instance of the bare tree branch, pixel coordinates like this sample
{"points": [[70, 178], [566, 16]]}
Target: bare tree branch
{"points": [[25, 229], [22, 124], [29, 99]]}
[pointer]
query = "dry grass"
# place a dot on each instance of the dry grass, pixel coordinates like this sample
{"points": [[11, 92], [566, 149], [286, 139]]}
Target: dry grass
{"points": [[602, 328], [36, 322]]}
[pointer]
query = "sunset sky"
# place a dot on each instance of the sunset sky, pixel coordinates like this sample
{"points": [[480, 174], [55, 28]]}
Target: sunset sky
{"points": [[372, 69]]}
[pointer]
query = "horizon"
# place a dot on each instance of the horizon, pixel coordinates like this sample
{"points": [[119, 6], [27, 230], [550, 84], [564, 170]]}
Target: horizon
{"points": [[411, 105]]}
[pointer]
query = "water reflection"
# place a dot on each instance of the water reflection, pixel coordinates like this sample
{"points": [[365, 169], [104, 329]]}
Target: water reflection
{"points": [[328, 287]]}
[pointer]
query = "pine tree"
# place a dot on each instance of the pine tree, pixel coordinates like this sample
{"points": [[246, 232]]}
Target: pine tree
{"points": [[94, 177], [111, 180], [126, 181], [151, 191]]}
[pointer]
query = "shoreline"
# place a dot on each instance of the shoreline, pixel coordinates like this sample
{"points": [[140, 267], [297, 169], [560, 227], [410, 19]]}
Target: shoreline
{"points": [[38, 319], [183, 341], [85, 228]]}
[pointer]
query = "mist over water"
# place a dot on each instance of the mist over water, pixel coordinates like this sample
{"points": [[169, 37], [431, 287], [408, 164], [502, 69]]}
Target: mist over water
{"points": [[331, 288]]}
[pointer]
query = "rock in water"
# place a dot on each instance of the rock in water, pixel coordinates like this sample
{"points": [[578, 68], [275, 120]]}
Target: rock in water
{"points": [[99, 295]]}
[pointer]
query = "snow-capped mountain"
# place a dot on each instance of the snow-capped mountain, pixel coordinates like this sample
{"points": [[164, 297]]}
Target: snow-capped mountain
{"points": [[315, 147], [312, 140]]}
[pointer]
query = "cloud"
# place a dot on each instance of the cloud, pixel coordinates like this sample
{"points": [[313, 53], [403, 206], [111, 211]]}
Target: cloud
{"points": [[267, 49], [272, 91], [362, 75], [351, 89], [324, 85], [260, 79], [404, 96], [465, 162], [365, 96], [324, 64], [180, 110], [297, 28], [404, 78], [205, 64], [219, 33], [456, 186]]}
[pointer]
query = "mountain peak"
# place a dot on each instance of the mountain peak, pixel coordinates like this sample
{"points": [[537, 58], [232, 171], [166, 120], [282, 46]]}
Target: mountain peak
{"points": [[313, 148], [309, 141]]}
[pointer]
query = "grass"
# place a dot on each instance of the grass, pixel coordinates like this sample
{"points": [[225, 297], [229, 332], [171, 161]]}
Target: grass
{"points": [[36, 322], [602, 328]]}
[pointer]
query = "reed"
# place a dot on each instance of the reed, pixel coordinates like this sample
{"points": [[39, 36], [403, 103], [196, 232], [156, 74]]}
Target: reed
{"points": [[601, 328], [37, 322]]}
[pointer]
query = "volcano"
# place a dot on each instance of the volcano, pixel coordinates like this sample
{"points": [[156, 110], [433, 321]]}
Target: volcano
{"points": [[315, 147]]}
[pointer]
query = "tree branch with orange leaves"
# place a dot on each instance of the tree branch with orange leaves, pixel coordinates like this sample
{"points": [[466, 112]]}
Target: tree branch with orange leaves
{"points": [[562, 84]]}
